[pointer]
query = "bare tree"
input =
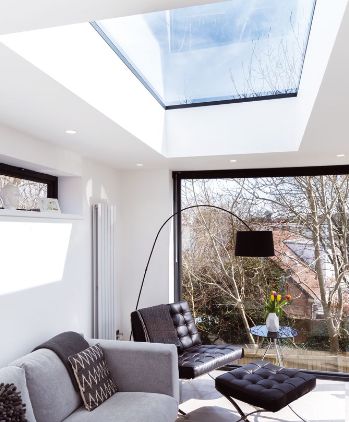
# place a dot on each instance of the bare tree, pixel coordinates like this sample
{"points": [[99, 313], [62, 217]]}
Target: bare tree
{"points": [[212, 274], [312, 210], [316, 209], [30, 192]]}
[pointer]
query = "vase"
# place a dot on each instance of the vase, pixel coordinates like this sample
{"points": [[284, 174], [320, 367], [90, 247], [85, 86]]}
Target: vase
{"points": [[10, 196], [272, 323]]}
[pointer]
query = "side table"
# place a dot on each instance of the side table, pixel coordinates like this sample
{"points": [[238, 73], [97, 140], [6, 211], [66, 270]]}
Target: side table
{"points": [[274, 338]]}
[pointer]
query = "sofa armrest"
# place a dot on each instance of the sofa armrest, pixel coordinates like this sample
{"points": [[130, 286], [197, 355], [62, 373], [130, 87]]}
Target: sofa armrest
{"points": [[143, 367]]}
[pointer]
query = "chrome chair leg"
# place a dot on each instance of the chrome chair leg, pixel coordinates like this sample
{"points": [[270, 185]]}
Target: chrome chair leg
{"points": [[266, 351], [299, 416], [181, 412], [244, 416]]}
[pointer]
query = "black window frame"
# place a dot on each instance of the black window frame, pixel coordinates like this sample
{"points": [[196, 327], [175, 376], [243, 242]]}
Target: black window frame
{"points": [[178, 176], [34, 176]]}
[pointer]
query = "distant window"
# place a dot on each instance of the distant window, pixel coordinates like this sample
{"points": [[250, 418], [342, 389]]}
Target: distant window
{"points": [[32, 185]]}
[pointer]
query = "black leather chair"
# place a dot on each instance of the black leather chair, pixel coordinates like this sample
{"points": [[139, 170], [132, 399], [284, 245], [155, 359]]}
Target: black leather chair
{"points": [[194, 358]]}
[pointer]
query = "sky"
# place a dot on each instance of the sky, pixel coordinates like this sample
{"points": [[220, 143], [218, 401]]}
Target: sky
{"points": [[230, 49]]}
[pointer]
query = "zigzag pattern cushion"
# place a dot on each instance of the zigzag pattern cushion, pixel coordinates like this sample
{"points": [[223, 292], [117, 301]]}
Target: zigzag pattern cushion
{"points": [[93, 376]]}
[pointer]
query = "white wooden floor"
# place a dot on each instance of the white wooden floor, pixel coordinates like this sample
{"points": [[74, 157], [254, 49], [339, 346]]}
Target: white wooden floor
{"points": [[329, 402]]}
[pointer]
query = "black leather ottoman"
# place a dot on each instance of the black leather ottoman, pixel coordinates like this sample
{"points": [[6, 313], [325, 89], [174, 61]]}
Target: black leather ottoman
{"points": [[264, 385]]}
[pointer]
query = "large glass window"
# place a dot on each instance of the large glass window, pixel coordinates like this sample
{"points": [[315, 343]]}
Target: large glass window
{"points": [[226, 51], [309, 217]]}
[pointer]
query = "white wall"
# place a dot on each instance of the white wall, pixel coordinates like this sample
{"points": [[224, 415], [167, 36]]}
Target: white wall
{"points": [[240, 128], [18, 149], [36, 312], [31, 315], [146, 203]]}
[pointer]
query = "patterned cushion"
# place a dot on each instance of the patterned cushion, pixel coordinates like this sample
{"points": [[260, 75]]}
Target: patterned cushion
{"points": [[93, 376]]}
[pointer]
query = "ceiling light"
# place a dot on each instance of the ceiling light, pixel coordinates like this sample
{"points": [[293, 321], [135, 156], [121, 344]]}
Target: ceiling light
{"points": [[340, 155], [139, 165], [233, 161], [70, 131]]}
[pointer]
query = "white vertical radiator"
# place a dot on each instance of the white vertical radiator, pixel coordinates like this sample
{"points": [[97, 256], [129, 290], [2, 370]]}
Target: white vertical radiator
{"points": [[104, 270]]}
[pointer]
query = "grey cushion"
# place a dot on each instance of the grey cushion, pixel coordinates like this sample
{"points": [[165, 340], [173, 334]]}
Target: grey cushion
{"points": [[16, 376], [51, 391], [130, 407]]}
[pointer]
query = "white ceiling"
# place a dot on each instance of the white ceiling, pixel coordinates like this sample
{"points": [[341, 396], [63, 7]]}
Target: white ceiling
{"points": [[19, 15], [36, 104]]}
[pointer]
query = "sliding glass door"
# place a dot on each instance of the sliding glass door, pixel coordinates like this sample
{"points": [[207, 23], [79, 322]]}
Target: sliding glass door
{"points": [[309, 217]]}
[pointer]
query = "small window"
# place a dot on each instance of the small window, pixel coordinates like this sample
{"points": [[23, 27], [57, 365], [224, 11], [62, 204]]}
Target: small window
{"points": [[32, 185]]}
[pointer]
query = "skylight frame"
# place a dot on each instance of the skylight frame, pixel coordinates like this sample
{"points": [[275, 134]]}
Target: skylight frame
{"points": [[202, 102]]}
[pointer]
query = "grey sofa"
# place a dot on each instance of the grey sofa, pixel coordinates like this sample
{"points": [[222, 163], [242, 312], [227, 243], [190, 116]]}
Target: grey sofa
{"points": [[146, 374]]}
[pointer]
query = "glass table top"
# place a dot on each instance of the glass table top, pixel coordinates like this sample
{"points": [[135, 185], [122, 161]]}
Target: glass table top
{"points": [[284, 332]]}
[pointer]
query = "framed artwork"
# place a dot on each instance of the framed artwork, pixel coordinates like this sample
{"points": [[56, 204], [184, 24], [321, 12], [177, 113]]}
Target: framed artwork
{"points": [[49, 205]]}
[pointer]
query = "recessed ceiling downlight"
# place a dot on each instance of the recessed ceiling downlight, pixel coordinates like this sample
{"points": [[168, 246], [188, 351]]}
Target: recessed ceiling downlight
{"points": [[340, 155], [70, 131], [233, 160], [139, 165]]}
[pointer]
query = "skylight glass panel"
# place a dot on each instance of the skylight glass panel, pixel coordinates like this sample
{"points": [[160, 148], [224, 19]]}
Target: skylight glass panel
{"points": [[236, 50]]}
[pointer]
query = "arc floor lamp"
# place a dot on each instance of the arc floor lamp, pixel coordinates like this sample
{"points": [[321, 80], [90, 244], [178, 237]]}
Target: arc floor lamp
{"points": [[253, 243]]}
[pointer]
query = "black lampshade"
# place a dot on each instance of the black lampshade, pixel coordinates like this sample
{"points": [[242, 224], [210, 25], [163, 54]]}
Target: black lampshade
{"points": [[254, 243]]}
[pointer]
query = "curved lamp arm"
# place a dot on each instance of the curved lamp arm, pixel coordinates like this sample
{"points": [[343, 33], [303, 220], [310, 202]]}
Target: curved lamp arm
{"points": [[164, 224]]}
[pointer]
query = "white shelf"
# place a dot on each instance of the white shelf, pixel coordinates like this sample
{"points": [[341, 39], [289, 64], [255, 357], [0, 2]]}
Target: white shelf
{"points": [[37, 214]]}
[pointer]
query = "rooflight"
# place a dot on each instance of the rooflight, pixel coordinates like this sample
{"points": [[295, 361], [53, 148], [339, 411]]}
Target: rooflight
{"points": [[236, 50]]}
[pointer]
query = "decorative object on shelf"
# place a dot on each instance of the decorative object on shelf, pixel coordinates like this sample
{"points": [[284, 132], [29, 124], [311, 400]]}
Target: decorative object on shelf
{"points": [[274, 308], [11, 407], [49, 205], [10, 196], [252, 243]]}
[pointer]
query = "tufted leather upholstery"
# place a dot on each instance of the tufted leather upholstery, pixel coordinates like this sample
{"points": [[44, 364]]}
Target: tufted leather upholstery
{"points": [[194, 359], [265, 385], [185, 325], [199, 360]]}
